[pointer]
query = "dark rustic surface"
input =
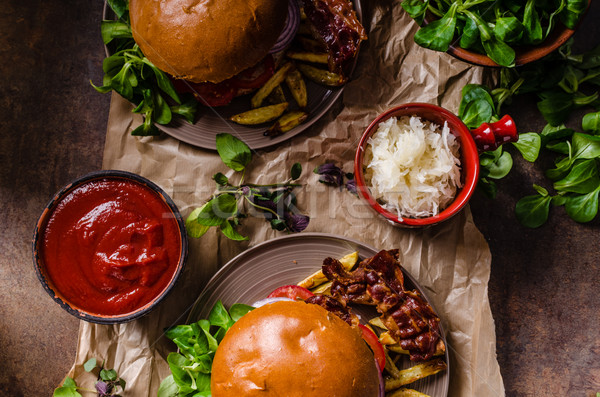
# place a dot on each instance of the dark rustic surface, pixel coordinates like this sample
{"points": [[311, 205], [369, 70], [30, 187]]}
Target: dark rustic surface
{"points": [[52, 127]]}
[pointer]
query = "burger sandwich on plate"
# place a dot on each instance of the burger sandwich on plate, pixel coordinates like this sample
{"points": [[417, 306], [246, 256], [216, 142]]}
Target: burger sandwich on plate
{"points": [[221, 49], [293, 348]]}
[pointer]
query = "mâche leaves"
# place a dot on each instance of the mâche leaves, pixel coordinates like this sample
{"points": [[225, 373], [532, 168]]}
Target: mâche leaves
{"points": [[197, 343], [231, 203], [438, 34], [563, 82], [490, 27], [129, 73]]}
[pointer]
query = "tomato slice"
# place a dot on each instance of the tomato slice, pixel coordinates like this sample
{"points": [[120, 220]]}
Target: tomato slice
{"points": [[294, 292], [255, 76], [373, 342], [209, 94]]}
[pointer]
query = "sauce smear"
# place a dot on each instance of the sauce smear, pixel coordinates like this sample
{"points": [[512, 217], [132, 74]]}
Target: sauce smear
{"points": [[111, 246]]}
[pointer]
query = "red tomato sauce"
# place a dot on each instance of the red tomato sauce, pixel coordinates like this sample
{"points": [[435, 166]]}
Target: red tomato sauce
{"points": [[111, 246]]}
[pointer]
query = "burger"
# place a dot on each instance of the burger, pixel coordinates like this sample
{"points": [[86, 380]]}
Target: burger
{"points": [[293, 348], [205, 45]]}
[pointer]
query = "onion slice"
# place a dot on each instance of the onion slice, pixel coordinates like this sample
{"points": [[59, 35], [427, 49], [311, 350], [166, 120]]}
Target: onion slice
{"points": [[267, 301], [292, 22], [381, 381]]}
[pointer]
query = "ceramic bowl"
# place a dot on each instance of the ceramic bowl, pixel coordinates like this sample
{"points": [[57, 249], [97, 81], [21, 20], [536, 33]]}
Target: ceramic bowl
{"points": [[469, 159], [170, 212]]}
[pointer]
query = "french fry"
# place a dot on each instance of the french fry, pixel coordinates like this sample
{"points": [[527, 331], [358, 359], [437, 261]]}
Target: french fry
{"points": [[390, 365], [276, 96], [260, 115], [377, 322], [413, 374], [313, 57], [264, 91], [323, 289], [319, 278], [297, 87], [386, 339], [287, 122], [321, 76], [403, 392]]}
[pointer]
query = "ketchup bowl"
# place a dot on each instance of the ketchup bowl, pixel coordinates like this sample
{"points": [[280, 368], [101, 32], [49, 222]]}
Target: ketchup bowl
{"points": [[431, 117], [109, 246]]}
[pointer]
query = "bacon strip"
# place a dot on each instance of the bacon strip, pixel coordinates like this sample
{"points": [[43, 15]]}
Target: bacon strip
{"points": [[336, 24], [379, 281]]}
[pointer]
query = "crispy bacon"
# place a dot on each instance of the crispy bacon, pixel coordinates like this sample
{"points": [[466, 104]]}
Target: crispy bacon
{"points": [[336, 307], [336, 24], [379, 281]]}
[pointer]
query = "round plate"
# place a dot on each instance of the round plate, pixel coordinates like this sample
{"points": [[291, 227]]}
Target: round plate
{"points": [[253, 274], [212, 121]]}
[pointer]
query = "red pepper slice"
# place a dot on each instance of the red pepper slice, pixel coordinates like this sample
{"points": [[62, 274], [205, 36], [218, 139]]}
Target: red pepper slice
{"points": [[294, 292], [373, 342], [484, 137], [505, 130]]}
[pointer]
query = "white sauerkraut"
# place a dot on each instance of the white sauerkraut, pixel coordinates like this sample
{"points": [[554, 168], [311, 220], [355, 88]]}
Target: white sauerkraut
{"points": [[412, 166]]}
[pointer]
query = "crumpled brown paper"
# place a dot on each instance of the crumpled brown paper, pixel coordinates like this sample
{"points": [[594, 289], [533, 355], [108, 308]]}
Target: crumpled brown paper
{"points": [[451, 261]]}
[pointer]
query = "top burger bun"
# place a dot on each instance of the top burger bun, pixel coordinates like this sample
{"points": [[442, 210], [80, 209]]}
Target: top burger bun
{"points": [[206, 40], [293, 349]]}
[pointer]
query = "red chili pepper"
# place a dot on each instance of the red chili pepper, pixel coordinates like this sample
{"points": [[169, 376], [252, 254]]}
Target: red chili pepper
{"points": [[484, 137], [489, 136], [505, 130]]}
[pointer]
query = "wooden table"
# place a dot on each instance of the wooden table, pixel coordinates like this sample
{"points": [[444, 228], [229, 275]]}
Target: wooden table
{"points": [[544, 283]]}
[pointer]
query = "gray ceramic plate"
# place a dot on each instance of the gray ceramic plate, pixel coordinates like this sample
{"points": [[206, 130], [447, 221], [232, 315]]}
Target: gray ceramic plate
{"points": [[212, 121], [253, 274]]}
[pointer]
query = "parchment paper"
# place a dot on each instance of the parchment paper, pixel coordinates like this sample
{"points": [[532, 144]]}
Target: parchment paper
{"points": [[452, 260]]}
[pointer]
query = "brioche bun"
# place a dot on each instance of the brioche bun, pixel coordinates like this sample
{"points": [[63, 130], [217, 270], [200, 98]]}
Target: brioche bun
{"points": [[206, 40], [293, 349]]}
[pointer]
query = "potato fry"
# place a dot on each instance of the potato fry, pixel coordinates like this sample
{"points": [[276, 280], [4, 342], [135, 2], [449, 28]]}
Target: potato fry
{"points": [[319, 278], [403, 392], [270, 85], [323, 289], [385, 338], [276, 96], [297, 87], [321, 76], [286, 123], [308, 56], [377, 322], [260, 115], [415, 373], [390, 365]]}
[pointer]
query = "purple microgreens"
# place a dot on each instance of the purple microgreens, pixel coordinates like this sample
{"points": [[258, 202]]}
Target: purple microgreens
{"points": [[330, 174], [296, 222]]}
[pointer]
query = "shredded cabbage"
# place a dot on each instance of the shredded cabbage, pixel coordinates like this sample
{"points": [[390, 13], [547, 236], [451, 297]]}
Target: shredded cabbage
{"points": [[412, 168]]}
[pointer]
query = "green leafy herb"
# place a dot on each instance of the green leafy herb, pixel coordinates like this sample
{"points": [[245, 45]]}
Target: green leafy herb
{"points": [[108, 384], [197, 343], [491, 27], [227, 207], [591, 123], [532, 211], [563, 82], [129, 73], [529, 145]]}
